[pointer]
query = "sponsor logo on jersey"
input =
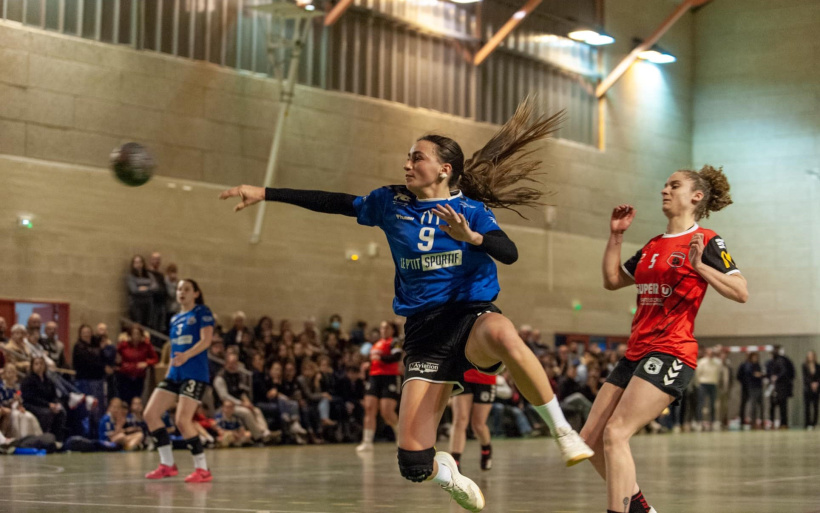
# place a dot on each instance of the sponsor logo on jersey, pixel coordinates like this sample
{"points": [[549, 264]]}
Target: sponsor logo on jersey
{"points": [[423, 367], [653, 366], [435, 261], [676, 259], [400, 197], [404, 218], [207, 318], [654, 289], [191, 321], [184, 340]]}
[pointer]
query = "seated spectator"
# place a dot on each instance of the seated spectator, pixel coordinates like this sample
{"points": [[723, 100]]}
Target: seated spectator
{"points": [[136, 356], [21, 421], [246, 349], [216, 356], [114, 428], [263, 328], [284, 354], [570, 395], [3, 328], [135, 416], [315, 404], [332, 349], [273, 402], [40, 398], [17, 351], [357, 335], [141, 287], [229, 386], [234, 336], [53, 346], [350, 390], [508, 405], [232, 432]]}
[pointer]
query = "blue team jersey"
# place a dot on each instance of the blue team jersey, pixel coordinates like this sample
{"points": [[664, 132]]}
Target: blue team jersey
{"points": [[432, 268], [106, 425], [184, 335], [227, 424]]}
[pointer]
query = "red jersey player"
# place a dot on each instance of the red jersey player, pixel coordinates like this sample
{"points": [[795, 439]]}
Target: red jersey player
{"points": [[671, 272], [473, 407], [383, 388]]}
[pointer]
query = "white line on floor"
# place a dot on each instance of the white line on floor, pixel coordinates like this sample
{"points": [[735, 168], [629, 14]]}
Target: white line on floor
{"points": [[780, 480], [154, 506]]}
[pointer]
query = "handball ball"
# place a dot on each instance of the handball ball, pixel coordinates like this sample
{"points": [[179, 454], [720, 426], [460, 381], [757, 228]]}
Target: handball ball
{"points": [[132, 164]]}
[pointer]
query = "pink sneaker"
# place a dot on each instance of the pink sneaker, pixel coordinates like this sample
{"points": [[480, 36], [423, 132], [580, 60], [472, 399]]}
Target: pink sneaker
{"points": [[199, 476], [162, 471]]}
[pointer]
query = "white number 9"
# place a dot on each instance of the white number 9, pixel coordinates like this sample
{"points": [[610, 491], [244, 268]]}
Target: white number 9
{"points": [[426, 235]]}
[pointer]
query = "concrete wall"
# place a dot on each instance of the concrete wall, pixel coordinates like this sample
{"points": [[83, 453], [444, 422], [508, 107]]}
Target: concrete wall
{"points": [[65, 103], [757, 113]]}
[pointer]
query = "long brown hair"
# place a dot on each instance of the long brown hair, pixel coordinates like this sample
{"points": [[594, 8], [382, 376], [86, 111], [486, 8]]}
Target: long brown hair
{"points": [[715, 187], [490, 174]]}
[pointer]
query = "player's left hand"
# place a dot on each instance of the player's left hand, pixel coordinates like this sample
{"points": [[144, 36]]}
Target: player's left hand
{"points": [[179, 359], [696, 248], [457, 226]]}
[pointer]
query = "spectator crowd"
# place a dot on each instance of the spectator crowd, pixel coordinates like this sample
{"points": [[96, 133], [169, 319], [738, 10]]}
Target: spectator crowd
{"points": [[286, 383]]}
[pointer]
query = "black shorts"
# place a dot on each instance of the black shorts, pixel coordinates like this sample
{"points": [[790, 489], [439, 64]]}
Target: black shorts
{"points": [[383, 387], [435, 341], [664, 371], [482, 394], [190, 388]]}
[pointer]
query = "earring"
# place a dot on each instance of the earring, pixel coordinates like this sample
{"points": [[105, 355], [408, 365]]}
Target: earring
{"points": [[442, 175]]}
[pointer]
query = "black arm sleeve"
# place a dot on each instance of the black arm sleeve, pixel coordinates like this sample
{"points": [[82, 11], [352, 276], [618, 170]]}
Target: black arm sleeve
{"points": [[499, 246], [318, 201], [393, 357]]}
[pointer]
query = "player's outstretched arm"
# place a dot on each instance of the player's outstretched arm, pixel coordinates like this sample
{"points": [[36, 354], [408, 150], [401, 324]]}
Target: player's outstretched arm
{"points": [[318, 201]]}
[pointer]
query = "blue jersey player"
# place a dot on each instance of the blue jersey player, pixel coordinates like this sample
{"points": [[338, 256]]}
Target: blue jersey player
{"points": [[443, 239], [191, 333]]}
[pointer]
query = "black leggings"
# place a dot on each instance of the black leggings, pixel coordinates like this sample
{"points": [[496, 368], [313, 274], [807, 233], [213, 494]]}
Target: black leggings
{"points": [[811, 400]]}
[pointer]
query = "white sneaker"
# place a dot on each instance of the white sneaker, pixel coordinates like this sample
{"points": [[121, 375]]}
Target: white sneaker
{"points": [[74, 399], [365, 447], [652, 510], [297, 428], [573, 448], [462, 489]]}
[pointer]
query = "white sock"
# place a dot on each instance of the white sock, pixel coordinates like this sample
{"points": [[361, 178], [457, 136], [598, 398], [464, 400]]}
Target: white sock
{"points": [[553, 416], [444, 475], [199, 461], [166, 455], [368, 435]]}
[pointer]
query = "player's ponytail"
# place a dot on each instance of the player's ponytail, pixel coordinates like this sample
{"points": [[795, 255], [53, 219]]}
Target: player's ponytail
{"points": [[488, 176], [200, 300], [715, 187]]}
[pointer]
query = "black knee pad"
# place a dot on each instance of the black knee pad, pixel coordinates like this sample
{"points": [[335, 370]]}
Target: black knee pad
{"points": [[416, 465]]}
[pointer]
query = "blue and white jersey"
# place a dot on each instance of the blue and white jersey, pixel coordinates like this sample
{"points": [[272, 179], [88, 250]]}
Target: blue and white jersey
{"points": [[184, 335], [432, 268]]}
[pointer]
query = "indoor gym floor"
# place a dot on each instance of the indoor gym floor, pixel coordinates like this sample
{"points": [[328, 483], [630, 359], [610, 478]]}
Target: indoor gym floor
{"points": [[757, 472]]}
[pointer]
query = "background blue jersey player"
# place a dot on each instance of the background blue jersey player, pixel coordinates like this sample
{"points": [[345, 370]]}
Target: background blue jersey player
{"points": [[191, 333], [442, 236]]}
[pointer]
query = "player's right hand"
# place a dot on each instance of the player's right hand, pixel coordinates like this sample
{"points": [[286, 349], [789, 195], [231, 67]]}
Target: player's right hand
{"points": [[622, 217], [249, 194]]}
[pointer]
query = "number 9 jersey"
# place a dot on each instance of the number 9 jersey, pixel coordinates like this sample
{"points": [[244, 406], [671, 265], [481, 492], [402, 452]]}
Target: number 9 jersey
{"points": [[185, 333], [670, 293], [432, 268]]}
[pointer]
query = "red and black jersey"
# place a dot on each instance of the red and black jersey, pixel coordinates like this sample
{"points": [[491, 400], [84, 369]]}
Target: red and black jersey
{"points": [[474, 376], [390, 353], [670, 293]]}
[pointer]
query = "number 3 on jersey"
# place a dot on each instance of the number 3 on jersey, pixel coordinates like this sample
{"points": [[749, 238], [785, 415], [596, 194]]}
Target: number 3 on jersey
{"points": [[427, 234]]}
